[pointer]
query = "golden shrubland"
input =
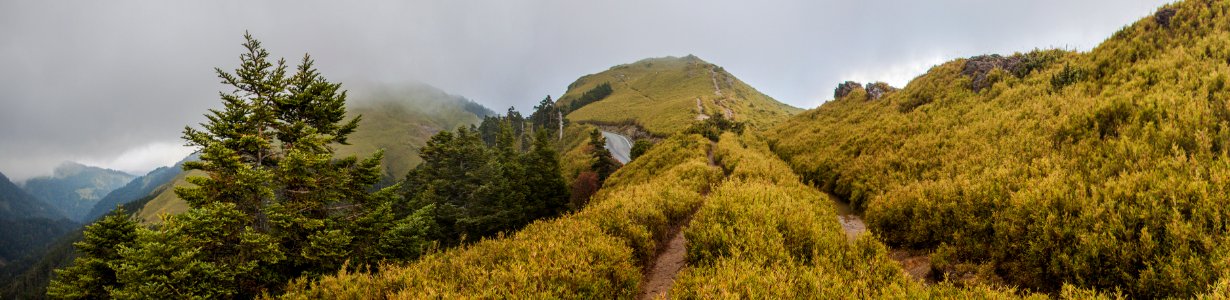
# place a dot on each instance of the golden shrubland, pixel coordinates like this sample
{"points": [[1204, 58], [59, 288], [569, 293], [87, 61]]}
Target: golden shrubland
{"points": [[1105, 169]]}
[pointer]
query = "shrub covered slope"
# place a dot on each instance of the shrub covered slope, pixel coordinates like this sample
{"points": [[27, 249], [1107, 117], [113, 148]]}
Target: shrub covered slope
{"points": [[665, 95], [1106, 169]]}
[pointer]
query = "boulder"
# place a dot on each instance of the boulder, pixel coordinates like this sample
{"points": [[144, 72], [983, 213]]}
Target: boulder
{"points": [[845, 88], [877, 90], [1163, 16], [978, 67]]}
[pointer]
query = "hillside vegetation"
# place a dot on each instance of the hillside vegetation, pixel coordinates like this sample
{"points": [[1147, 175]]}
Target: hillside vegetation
{"points": [[665, 95], [398, 120], [757, 232], [1106, 169]]}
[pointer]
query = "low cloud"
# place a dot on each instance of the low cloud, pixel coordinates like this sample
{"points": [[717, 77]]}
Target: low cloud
{"points": [[98, 79]]}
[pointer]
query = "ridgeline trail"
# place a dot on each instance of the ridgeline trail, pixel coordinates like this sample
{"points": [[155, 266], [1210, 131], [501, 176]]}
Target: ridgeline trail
{"points": [[660, 275]]}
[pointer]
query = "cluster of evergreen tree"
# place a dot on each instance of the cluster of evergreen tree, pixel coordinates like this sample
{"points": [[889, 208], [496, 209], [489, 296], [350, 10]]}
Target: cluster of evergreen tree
{"points": [[592, 95], [548, 117], [276, 204], [477, 187], [602, 165]]}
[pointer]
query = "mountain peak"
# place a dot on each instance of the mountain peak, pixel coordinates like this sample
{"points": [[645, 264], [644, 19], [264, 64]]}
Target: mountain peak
{"points": [[666, 94]]}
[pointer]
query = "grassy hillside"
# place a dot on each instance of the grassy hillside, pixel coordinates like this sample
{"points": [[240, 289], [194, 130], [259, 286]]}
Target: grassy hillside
{"points": [[1106, 169], [665, 95], [757, 232], [401, 119]]}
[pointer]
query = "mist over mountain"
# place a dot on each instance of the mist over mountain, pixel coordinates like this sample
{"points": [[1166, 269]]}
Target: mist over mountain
{"points": [[75, 188]]}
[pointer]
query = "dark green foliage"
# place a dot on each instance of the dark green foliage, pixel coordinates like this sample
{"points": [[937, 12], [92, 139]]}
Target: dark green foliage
{"points": [[1036, 60], [603, 163], [547, 117], [27, 226], [467, 190], [276, 204], [29, 277], [1066, 77], [593, 95], [640, 147], [712, 128], [92, 274]]}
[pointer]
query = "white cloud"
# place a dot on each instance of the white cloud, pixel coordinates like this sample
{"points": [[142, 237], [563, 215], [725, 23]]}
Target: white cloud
{"points": [[142, 159], [897, 75]]}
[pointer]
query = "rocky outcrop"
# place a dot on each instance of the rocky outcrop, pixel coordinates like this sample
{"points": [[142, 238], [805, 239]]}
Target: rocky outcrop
{"points": [[1163, 17], [877, 90], [979, 67], [845, 88]]}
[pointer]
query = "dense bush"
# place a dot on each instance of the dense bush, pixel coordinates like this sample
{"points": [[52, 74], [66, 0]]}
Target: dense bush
{"points": [[764, 234], [1105, 170], [598, 252]]}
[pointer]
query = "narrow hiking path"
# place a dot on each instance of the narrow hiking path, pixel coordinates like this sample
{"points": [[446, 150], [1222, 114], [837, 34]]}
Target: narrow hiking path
{"points": [[670, 260], [700, 110], [916, 264]]}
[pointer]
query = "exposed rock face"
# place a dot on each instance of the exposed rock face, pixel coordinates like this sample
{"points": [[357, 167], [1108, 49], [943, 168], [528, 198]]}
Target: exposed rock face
{"points": [[877, 90], [1163, 16], [978, 67], [845, 88]]}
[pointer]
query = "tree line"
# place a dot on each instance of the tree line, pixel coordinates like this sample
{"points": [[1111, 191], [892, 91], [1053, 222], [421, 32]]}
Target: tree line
{"points": [[277, 204]]}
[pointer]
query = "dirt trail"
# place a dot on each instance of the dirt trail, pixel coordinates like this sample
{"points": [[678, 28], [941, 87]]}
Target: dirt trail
{"points": [[666, 266], [915, 264], [700, 111], [661, 274], [720, 99]]}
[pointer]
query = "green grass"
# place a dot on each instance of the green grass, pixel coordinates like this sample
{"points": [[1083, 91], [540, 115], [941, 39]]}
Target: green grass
{"points": [[660, 95]]}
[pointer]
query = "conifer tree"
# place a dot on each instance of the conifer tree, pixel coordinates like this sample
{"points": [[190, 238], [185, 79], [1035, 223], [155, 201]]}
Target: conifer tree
{"points": [[548, 192], [275, 203], [547, 117], [92, 273], [604, 164]]}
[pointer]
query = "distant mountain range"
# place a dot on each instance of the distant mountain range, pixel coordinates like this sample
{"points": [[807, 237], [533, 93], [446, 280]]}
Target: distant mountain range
{"points": [[26, 223], [75, 188]]}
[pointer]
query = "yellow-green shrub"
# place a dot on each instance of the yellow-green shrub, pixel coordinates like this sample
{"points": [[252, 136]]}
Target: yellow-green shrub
{"points": [[598, 252], [1105, 170], [763, 234]]}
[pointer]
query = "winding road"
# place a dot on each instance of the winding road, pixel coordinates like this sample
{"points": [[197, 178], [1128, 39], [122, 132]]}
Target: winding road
{"points": [[619, 145]]}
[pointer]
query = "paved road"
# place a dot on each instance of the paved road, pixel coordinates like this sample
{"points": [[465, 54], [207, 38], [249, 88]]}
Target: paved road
{"points": [[619, 145]]}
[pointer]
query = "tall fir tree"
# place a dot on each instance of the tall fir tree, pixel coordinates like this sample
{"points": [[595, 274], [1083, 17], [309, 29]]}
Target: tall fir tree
{"points": [[275, 203], [604, 163], [548, 193], [547, 116], [92, 274]]}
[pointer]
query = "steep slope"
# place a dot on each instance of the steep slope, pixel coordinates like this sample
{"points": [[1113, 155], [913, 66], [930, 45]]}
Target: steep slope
{"points": [[138, 188], [26, 224], [400, 119], [74, 188], [665, 95], [1106, 169]]}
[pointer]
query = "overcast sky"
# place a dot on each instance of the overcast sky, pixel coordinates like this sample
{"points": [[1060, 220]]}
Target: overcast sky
{"points": [[112, 83]]}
